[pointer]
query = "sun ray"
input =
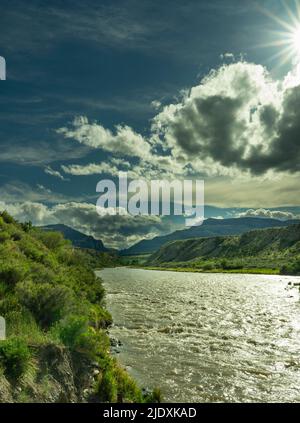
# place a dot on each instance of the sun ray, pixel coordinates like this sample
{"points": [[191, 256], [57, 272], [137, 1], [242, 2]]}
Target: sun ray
{"points": [[296, 40], [282, 53], [284, 60], [287, 38], [279, 34], [275, 18], [292, 16], [277, 43], [297, 6]]}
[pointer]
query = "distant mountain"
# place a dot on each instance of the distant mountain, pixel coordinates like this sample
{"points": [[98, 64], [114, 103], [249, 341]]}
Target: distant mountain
{"points": [[272, 243], [209, 228], [77, 238]]}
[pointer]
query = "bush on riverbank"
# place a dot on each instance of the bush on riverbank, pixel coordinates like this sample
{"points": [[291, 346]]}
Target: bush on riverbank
{"points": [[292, 268], [15, 356], [239, 265], [50, 296]]}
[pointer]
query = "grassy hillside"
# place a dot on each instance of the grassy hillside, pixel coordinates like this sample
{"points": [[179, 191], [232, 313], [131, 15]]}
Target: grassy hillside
{"points": [[57, 348], [209, 228], [275, 248], [77, 238]]}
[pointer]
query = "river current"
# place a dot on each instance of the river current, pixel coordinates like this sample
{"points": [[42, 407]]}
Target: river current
{"points": [[207, 337]]}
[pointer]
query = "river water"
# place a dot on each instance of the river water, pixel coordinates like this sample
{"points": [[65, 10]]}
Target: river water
{"points": [[208, 337]]}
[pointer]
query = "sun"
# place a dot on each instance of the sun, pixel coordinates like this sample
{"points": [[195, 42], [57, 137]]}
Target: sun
{"points": [[296, 40], [287, 36]]}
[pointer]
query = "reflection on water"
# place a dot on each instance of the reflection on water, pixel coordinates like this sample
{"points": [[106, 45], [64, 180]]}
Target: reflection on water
{"points": [[208, 337]]}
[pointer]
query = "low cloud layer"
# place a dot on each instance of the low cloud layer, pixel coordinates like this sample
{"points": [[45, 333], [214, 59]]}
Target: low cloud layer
{"points": [[117, 231], [265, 213]]}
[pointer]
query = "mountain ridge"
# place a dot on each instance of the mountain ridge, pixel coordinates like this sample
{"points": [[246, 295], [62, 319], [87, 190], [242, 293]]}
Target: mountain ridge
{"points": [[78, 239], [279, 245], [210, 228]]}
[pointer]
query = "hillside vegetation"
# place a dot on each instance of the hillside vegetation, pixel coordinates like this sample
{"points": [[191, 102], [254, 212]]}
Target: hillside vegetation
{"points": [[77, 238], [57, 348], [274, 248], [210, 228]]}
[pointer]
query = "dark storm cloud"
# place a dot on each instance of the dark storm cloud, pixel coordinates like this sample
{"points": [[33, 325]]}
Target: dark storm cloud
{"points": [[237, 117], [209, 127], [268, 117], [284, 149]]}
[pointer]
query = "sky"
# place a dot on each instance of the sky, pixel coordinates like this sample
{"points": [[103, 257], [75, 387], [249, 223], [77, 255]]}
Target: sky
{"points": [[173, 89]]}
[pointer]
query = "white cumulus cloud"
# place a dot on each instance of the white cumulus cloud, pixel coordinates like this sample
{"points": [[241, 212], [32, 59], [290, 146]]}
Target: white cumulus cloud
{"points": [[274, 214], [237, 121]]}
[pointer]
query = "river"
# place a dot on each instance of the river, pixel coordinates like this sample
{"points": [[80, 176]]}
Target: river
{"points": [[207, 337]]}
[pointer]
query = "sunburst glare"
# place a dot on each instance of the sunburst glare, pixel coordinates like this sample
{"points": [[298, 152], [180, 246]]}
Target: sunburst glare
{"points": [[296, 40], [287, 38]]}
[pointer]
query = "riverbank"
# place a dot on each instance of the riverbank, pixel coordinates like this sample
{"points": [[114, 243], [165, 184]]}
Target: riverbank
{"points": [[254, 271], [56, 347]]}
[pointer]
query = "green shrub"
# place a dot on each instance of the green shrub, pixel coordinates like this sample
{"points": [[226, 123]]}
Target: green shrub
{"points": [[4, 236], [16, 236], [95, 291], [31, 249], [231, 264], [75, 333], [26, 226], [107, 389], [47, 303], [41, 273], [70, 329], [11, 274], [90, 285], [21, 323], [292, 268], [92, 342], [128, 390], [7, 218], [8, 303], [155, 397], [14, 357], [207, 266], [52, 240], [115, 385], [99, 317], [3, 289]]}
